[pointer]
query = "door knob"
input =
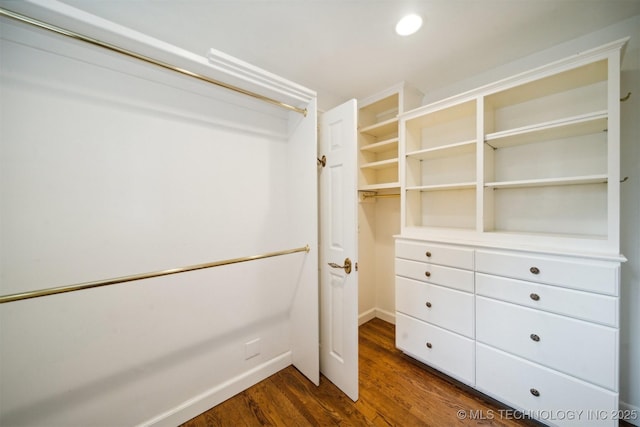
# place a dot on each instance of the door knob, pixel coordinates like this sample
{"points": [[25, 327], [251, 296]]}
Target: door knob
{"points": [[346, 266]]}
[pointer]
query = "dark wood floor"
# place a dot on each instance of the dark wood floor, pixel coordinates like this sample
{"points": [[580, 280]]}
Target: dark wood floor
{"points": [[394, 391]]}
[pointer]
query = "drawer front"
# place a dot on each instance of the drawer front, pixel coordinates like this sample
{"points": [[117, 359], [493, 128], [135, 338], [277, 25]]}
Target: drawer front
{"points": [[450, 256], [561, 400], [451, 353], [447, 308], [582, 305], [593, 276], [435, 274], [585, 350]]}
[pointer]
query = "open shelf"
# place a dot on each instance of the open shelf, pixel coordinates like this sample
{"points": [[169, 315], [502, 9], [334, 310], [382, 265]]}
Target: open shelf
{"points": [[441, 187], [382, 164], [556, 129], [379, 112], [388, 127], [443, 166], [451, 206], [454, 149], [551, 210], [390, 144], [571, 93], [441, 128], [375, 187], [577, 180], [564, 81]]}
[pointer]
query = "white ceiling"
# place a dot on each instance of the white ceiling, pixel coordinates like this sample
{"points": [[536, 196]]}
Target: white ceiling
{"points": [[348, 48]]}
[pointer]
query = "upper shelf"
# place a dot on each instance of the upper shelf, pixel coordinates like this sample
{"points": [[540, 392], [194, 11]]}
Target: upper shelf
{"points": [[444, 187], [379, 110], [381, 164], [387, 127], [567, 80], [457, 148], [380, 186], [546, 182], [381, 146], [556, 129]]}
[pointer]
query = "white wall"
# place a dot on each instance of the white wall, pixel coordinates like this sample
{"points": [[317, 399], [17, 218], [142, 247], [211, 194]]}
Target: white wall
{"points": [[630, 166], [387, 226], [110, 167], [366, 260], [378, 222]]}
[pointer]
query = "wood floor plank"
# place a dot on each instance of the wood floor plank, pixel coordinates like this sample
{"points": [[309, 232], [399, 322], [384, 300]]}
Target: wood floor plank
{"points": [[395, 390]]}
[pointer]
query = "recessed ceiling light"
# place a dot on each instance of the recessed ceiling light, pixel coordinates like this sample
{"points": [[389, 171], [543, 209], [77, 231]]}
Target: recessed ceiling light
{"points": [[409, 25]]}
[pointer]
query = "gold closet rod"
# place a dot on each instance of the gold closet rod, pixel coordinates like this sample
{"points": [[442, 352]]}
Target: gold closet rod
{"points": [[132, 54], [378, 196], [115, 281]]}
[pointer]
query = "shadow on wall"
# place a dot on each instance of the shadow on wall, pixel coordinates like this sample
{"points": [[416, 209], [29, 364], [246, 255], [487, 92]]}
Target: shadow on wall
{"points": [[39, 412]]}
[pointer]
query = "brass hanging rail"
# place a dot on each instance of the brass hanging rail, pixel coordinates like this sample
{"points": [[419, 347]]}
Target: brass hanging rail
{"points": [[105, 45], [115, 281], [378, 196]]}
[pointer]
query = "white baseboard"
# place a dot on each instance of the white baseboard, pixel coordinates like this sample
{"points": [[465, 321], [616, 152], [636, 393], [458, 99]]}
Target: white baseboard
{"points": [[366, 316], [219, 393], [386, 316], [634, 411], [376, 312]]}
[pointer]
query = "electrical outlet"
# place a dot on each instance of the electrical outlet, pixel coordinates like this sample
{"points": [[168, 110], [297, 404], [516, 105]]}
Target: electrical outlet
{"points": [[252, 349]]}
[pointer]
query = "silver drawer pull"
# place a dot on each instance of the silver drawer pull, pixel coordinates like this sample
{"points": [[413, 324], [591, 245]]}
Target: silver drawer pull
{"points": [[534, 270], [429, 345], [426, 273], [534, 297], [534, 337], [428, 304], [535, 392], [428, 254]]}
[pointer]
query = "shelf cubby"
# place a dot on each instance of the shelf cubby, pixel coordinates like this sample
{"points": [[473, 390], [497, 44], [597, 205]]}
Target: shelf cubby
{"points": [[579, 210], [444, 207], [386, 129], [440, 128], [574, 92], [386, 145], [379, 113], [554, 159]]}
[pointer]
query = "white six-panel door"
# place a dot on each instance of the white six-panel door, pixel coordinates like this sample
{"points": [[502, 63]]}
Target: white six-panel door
{"points": [[338, 242]]}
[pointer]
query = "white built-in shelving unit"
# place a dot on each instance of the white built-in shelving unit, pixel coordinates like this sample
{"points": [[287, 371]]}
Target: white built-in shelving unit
{"points": [[508, 262], [535, 155]]}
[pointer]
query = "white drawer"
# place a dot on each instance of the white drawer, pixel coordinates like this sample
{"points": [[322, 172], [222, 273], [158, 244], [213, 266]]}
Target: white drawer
{"points": [[447, 308], [561, 400], [436, 274], [585, 350], [587, 275], [450, 256], [582, 305], [446, 351]]}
